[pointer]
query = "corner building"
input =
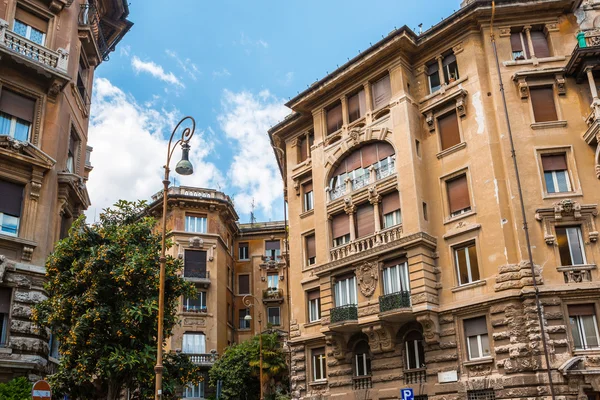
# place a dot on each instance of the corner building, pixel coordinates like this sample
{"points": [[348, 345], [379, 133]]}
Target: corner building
{"points": [[49, 50], [408, 261]]}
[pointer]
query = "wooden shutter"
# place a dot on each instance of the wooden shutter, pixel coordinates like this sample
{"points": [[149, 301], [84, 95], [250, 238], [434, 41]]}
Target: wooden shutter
{"points": [[384, 150], [313, 295], [554, 162], [540, 44], [515, 42], [390, 203], [449, 133], [475, 326], [433, 68], [581, 309], [319, 351], [11, 198], [303, 148], [17, 105], [340, 225], [272, 245], [32, 20], [353, 161], [5, 296], [334, 118], [365, 220], [449, 59], [307, 187], [382, 92], [542, 100], [393, 262], [356, 106], [458, 193], [244, 284], [311, 249], [369, 155]]}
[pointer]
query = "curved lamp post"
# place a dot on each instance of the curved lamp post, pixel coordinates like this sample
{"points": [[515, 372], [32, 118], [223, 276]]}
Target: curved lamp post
{"points": [[246, 300], [183, 167]]}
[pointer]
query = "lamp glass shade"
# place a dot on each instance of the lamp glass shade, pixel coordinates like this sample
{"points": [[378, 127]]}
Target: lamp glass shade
{"points": [[248, 318], [184, 166]]}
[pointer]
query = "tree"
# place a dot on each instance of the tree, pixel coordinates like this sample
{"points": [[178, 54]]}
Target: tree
{"points": [[238, 369], [103, 284]]}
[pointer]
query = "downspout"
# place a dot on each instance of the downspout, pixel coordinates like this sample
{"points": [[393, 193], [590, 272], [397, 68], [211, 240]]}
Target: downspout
{"points": [[287, 290], [523, 212]]}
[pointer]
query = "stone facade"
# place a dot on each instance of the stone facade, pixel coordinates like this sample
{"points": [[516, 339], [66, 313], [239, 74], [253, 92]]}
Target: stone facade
{"points": [[373, 144], [45, 81]]}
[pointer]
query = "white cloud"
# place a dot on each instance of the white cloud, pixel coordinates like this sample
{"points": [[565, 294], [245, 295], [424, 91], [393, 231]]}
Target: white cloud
{"points": [[254, 173], [124, 50], [223, 73], [186, 65], [130, 149], [287, 79], [246, 41], [155, 70]]}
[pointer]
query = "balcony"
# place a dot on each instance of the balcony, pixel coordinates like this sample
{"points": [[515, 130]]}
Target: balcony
{"points": [[390, 303], [343, 318], [204, 360], [91, 33], [417, 375], [373, 175], [366, 243], [362, 382], [272, 263], [195, 309], [273, 295], [202, 277]]}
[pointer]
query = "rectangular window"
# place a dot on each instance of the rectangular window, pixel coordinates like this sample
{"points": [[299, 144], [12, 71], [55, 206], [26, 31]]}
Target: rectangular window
{"points": [[390, 208], [53, 346], [448, 129], [10, 207], [570, 246], [5, 302], [556, 173], [396, 277], [357, 106], [540, 44], [194, 391], [244, 323], [584, 326], [433, 77], [273, 281], [16, 115], [467, 267], [345, 291], [273, 315], [30, 26], [302, 149], [307, 189], [311, 249], [319, 364], [519, 45], [314, 305], [194, 264], [365, 220], [229, 277], [243, 252], [72, 153], [272, 249], [382, 92], [244, 284], [458, 195], [478, 344], [195, 223], [542, 101], [334, 118], [340, 227], [194, 343], [197, 304], [391, 219], [450, 68]]}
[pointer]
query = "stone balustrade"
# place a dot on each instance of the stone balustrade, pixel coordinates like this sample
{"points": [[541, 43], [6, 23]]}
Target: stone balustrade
{"points": [[417, 375], [362, 382], [366, 243], [193, 192], [203, 359]]}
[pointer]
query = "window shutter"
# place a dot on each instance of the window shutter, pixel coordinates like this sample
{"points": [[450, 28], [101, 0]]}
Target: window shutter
{"points": [[382, 92], [17, 105], [194, 262], [365, 220], [581, 310], [515, 42], [307, 187], [449, 133], [390, 202], [32, 20], [11, 199], [313, 295], [540, 44], [356, 106], [433, 68], [340, 169], [340, 225], [319, 351], [303, 148], [393, 262], [384, 150], [458, 194], [311, 250], [5, 295], [353, 161], [369, 155], [334, 118], [555, 162], [449, 59], [475, 326], [542, 100], [244, 284], [272, 245]]}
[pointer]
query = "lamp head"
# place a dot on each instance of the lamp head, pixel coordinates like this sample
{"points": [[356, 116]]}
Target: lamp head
{"points": [[184, 166], [248, 318]]}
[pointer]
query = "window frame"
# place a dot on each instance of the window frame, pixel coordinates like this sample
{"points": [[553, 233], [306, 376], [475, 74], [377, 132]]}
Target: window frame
{"points": [[400, 278], [581, 243], [13, 125], [196, 218], [249, 284], [442, 113], [202, 296], [278, 316], [317, 301], [544, 83], [247, 251], [322, 359], [465, 246], [247, 324], [572, 172], [396, 219], [415, 349], [450, 217], [28, 30], [351, 292], [479, 341]]}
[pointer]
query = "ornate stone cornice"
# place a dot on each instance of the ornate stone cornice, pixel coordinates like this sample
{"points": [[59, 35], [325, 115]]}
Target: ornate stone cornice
{"points": [[568, 210]]}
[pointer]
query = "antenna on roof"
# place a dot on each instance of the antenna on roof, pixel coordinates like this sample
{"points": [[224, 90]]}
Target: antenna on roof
{"points": [[252, 217], [420, 28]]}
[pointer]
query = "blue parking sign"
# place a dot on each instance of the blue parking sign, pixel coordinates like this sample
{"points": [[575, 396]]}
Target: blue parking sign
{"points": [[407, 394]]}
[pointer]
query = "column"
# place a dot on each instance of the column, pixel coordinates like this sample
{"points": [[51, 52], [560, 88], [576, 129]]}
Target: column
{"points": [[527, 30], [369, 101], [344, 111], [375, 201], [350, 210], [441, 70], [592, 83]]}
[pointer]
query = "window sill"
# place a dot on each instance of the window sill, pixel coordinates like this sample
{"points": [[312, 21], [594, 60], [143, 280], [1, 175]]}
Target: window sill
{"points": [[244, 329], [314, 323], [549, 124], [307, 213], [533, 61], [467, 286], [303, 164], [561, 195], [318, 383], [194, 314], [451, 150], [478, 361], [564, 268], [243, 259], [584, 352], [450, 220], [443, 89]]}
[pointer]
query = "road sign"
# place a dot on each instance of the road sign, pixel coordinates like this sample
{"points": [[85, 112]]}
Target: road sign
{"points": [[41, 391], [407, 394]]}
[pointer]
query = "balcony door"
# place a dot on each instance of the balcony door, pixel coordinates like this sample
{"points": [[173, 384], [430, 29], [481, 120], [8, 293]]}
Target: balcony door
{"points": [[395, 277], [194, 343], [345, 291], [194, 264]]}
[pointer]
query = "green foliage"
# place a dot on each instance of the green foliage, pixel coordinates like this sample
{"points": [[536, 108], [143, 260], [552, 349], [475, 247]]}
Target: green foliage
{"points": [[17, 389], [103, 303], [238, 369]]}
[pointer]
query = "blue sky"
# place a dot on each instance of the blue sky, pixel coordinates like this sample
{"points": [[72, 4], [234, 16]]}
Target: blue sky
{"points": [[231, 65]]}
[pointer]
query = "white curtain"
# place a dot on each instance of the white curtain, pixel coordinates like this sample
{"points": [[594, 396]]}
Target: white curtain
{"points": [[194, 343]]}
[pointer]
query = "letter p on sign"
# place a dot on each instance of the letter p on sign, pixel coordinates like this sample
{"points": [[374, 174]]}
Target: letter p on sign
{"points": [[407, 394]]}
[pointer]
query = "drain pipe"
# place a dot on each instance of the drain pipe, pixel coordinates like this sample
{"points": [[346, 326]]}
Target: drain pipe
{"points": [[287, 288], [523, 213]]}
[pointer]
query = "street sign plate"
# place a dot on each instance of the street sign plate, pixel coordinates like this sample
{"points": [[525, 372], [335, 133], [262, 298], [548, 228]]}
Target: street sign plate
{"points": [[407, 394], [41, 391]]}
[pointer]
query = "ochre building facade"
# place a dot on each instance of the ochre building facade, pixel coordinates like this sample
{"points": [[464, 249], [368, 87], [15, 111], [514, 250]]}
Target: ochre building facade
{"points": [[49, 50], [409, 263]]}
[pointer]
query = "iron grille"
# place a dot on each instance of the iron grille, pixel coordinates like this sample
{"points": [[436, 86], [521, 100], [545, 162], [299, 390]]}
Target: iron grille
{"points": [[394, 301], [344, 313], [485, 394]]}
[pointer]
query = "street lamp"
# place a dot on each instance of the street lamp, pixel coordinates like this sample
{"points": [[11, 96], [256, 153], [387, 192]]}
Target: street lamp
{"points": [[248, 303], [183, 167]]}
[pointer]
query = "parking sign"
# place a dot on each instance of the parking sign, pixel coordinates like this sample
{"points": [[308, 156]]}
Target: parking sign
{"points": [[407, 394]]}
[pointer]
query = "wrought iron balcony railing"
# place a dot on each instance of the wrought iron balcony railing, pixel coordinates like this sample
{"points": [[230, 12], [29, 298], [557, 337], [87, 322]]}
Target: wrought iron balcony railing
{"points": [[89, 17], [196, 274], [362, 382], [394, 301], [344, 313], [273, 294]]}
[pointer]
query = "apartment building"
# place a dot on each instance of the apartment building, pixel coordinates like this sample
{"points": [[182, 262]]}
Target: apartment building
{"points": [[409, 263], [239, 272], [49, 50]]}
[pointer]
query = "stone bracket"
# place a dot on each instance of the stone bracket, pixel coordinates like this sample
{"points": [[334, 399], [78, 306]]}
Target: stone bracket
{"points": [[381, 338], [431, 327]]}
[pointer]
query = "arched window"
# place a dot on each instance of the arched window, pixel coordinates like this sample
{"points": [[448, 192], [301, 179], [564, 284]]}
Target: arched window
{"points": [[415, 355], [356, 166], [362, 359]]}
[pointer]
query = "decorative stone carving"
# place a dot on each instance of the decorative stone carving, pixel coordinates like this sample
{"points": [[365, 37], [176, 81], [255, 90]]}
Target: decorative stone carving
{"points": [[196, 242], [367, 275], [381, 338], [27, 253], [297, 186], [336, 343], [353, 135], [504, 31], [349, 208], [431, 327], [523, 88], [576, 275], [480, 370], [430, 121], [194, 321], [568, 210], [561, 88], [461, 106]]}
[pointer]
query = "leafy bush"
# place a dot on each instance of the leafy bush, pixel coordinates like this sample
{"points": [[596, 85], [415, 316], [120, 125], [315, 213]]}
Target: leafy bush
{"points": [[17, 389]]}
